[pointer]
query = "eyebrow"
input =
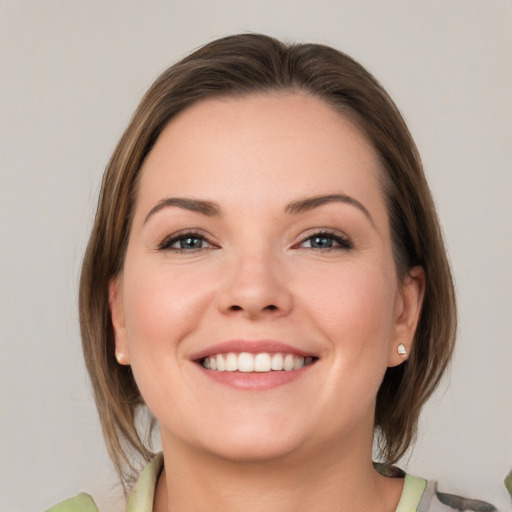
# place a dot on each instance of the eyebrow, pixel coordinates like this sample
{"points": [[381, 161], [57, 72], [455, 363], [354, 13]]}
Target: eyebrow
{"points": [[208, 208], [212, 209], [309, 203]]}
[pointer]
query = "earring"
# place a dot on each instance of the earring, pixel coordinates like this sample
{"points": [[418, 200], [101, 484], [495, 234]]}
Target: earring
{"points": [[401, 350], [121, 359]]}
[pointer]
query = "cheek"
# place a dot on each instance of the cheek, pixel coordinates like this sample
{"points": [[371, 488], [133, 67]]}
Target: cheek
{"points": [[162, 306], [353, 299], [353, 308]]}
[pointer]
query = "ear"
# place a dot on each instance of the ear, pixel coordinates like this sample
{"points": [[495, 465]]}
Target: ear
{"points": [[115, 300], [407, 314]]}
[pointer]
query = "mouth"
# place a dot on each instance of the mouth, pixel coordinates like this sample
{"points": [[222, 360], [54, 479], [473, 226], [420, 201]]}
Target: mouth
{"points": [[261, 362], [256, 365]]}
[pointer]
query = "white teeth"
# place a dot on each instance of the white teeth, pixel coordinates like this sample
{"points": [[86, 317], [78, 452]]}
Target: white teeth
{"points": [[221, 365], [289, 362], [245, 362], [231, 362], [298, 363], [262, 362], [277, 362]]}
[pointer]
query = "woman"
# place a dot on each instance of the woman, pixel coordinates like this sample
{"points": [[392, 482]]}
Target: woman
{"points": [[267, 276]]}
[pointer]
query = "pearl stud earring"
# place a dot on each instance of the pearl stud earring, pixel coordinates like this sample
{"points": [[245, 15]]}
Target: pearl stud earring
{"points": [[401, 350], [121, 359]]}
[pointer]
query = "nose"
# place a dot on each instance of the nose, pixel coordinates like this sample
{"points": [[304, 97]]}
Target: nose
{"points": [[255, 287]]}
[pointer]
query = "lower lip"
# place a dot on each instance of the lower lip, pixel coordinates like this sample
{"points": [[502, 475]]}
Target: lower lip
{"points": [[255, 381]]}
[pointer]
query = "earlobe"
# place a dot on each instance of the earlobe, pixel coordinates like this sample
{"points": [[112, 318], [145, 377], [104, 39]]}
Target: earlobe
{"points": [[407, 316], [115, 297]]}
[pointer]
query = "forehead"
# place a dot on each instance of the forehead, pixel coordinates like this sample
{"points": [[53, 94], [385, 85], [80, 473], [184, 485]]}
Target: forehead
{"points": [[259, 147]]}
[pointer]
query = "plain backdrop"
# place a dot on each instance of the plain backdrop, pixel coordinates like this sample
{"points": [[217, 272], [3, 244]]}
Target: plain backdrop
{"points": [[71, 75]]}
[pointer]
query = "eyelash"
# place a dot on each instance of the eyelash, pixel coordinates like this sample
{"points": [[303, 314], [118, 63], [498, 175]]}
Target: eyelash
{"points": [[166, 243], [343, 242]]}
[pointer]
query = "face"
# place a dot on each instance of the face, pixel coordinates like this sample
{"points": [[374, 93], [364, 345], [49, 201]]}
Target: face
{"points": [[259, 305]]}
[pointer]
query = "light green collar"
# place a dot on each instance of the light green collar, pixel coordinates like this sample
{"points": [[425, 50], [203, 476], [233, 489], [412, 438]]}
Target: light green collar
{"points": [[142, 495], [411, 494]]}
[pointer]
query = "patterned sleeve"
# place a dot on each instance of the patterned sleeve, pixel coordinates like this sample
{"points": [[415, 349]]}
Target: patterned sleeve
{"points": [[464, 504]]}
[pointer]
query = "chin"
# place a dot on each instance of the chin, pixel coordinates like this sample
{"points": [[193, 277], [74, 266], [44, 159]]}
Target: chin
{"points": [[249, 441], [255, 450]]}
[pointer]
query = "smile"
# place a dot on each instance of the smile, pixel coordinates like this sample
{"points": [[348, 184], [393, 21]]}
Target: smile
{"points": [[262, 362]]}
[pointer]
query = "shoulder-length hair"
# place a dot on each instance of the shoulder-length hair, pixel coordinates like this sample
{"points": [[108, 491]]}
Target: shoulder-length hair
{"points": [[237, 66]]}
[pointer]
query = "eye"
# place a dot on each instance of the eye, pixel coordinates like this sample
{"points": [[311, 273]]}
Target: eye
{"points": [[326, 241], [185, 242]]}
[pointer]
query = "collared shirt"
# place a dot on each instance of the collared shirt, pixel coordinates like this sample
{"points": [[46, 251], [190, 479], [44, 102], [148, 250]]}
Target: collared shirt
{"points": [[418, 495]]}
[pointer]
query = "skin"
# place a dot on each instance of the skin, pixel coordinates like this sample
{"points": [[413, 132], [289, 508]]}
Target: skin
{"points": [[304, 445]]}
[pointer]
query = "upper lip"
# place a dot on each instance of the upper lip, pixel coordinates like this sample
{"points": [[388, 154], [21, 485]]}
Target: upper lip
{"points": [[251, 346]]}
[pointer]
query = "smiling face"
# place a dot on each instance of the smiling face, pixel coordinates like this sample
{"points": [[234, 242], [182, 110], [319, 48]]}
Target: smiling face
{"points": [[260, 246]]}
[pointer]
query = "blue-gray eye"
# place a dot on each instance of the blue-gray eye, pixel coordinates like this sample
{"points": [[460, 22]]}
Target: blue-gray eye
{"points": [[321, 242], [185, 242], [189, 243], [326, 241]]}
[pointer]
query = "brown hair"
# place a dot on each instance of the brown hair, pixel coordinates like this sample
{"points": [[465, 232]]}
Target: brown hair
{"points": [[237, 66]]}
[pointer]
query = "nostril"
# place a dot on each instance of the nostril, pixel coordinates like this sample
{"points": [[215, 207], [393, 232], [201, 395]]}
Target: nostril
{"points": [[270, 307]]}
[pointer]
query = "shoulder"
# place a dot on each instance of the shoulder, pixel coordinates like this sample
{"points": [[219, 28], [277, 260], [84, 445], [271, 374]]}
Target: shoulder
{"points": [[80, 503], [140, 499], [420, 495], [435, 501]]}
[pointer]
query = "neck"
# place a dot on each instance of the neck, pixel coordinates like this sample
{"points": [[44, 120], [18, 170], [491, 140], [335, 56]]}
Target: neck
{"points": [[328, 480]]}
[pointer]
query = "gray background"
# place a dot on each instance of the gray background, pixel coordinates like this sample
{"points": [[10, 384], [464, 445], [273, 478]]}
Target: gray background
{"points": [[71, 74]]}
